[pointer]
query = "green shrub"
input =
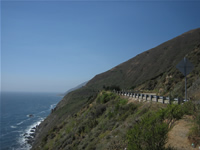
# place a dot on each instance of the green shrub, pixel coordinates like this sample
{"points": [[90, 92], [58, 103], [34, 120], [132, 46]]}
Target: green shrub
{"points": [[127, 110], [110, 115], [149, 134], [195, 130], [197, 119], [98, 110], [173, 112], [104, 97], [120, 104], [111, 88]]}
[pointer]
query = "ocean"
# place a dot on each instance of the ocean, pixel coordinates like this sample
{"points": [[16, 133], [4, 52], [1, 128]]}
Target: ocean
{"points": [[19, 113]]}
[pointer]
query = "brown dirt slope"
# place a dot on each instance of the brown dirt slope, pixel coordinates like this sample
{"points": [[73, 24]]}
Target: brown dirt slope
{"points": [[178, 136]]}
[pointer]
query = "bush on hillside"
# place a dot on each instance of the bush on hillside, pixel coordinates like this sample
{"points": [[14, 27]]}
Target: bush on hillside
{"points": [[194, 134], [151, 132], [111, 88], [104, 97]]}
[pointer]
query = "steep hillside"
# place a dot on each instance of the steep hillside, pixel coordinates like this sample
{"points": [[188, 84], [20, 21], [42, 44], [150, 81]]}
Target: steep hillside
{"points": [[172, 81], [149, 64], [111, 122], [75, 88], [153, 70]]}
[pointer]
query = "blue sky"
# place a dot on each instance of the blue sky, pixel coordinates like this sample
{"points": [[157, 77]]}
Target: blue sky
{"points": [[52, 46]]}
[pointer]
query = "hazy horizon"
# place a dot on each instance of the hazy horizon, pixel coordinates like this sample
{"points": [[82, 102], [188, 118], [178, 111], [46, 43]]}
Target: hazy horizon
{"points": [[53, 46]]}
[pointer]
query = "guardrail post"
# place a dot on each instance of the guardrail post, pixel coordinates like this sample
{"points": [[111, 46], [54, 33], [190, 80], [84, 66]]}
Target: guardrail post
{"points": [[151, 97], [156, 98], [170, 101], [163, 101], [146, 97], [179, 101]]}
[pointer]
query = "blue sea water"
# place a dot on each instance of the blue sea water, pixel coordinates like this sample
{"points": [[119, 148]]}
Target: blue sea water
{"points": [[15, 110]]}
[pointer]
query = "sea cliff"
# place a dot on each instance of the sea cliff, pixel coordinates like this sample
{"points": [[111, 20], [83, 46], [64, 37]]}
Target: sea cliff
{"points": [[88, 118]]}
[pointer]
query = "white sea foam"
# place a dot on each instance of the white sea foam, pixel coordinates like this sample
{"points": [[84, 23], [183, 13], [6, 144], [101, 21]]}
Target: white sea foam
{"points": [[34, 125], [22, 139], [13, 127], [20, 123], [52, 106]]}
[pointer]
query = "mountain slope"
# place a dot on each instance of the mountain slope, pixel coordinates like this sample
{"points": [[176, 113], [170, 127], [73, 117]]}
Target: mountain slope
{"points": [[75, 88], [149, 64], [152, 70]]}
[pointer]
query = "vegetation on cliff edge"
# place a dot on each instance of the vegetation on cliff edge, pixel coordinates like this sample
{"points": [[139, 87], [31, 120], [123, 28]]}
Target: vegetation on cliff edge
{"points": [[111, 122]]}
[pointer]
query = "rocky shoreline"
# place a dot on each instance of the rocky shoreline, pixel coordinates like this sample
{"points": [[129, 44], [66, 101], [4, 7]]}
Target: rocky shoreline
{"points": [[30, 134]]}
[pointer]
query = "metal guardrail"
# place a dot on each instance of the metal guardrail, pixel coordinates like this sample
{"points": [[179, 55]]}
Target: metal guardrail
{"points": [[149, 97]]}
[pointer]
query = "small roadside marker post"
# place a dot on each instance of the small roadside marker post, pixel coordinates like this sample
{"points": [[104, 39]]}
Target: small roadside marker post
{"points": [[185, 67]]}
